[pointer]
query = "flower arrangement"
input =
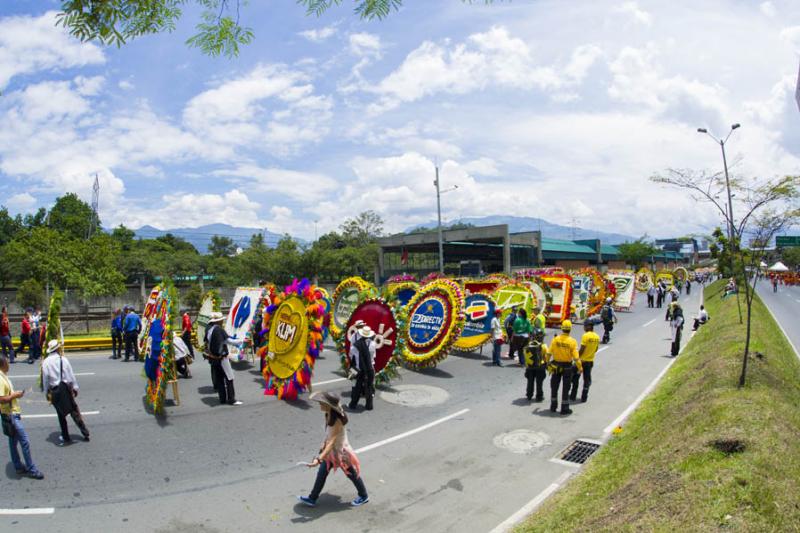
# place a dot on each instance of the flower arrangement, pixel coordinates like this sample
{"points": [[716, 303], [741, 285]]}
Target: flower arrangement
{"points": [[644, 279], [355, 282], [433, 276], [560, 310], [300, 380], [394, 289], [418, 355], [598, 290], [400, 278], [160, 369]]}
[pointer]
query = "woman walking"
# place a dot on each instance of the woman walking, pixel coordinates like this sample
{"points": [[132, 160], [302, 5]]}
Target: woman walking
{"points": [[335, 451]]}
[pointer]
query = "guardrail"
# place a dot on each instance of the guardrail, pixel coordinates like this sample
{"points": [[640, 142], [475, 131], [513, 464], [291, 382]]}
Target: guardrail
{"points": [[87, 343]]}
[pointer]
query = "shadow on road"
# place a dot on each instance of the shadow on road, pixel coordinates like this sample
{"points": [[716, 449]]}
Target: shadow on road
{"points": [[11, 472], [299, 403], [471, 355], [435, 373], [206, 389], [547, 413], [521, 402], [326, 504]]}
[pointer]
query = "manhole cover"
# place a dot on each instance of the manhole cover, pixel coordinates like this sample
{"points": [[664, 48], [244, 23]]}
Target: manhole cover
{"points": [[521, 440], [579, 451], [415, 395]]}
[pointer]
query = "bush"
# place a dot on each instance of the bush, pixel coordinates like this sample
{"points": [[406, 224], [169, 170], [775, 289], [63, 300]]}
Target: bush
{"points": [[30, 293]]}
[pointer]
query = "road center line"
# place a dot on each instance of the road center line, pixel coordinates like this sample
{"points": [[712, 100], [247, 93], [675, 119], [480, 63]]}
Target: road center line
{"points": [[53, 415], [329, 381], [37, 375], [411, 432], [29, 511], [531, 506], [603, 348], [648, 323]]}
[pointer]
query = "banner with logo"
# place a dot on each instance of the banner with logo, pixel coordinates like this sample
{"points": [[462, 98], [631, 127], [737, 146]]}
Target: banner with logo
{"points": [[344, 301], [517, 295], [477, 331], [625, 283], [561, 288], [435, 319], [239, 323]]}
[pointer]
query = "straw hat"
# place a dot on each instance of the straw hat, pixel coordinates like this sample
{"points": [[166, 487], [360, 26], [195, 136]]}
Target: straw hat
{"points": [[330, 399], [366, 331], [358, 324], [216, 317], [52, 346]]}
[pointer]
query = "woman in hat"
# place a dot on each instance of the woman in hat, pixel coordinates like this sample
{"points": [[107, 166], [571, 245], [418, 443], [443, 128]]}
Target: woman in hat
{"points": [[335, 451], [217, 341]]}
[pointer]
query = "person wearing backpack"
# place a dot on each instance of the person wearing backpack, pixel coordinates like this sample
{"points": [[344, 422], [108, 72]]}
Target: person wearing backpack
{"points": [[365, 365], [609, 319], [536, 365], [61, 387], [508, 325]]}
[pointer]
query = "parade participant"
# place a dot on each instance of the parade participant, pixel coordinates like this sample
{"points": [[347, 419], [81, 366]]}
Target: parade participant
{"points": [[35, 351], [186, 332], [365, 365], [217, 341], [116, 335], [563, 353], [688, 287], [131, 326], [182, 356], [61, 387], [651, 295], [539, 320], [676, 326], [25, 334], [335, 452], [702, 318], [609, 318], [659, 296], [672, 297], [522, 333], [508, 325], [11, 415], [535, 366], [5, 336], [589, 344], [774, 283], [497, 337]]}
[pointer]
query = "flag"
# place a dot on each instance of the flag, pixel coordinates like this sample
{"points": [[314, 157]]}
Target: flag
{"points": [[404, 257]]}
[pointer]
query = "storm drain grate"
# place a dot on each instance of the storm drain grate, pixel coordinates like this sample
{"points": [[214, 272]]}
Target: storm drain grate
{"points": [[579, 451]]}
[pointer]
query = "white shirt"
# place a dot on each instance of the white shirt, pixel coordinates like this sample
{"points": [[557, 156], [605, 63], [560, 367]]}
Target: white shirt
{"points": [[497, 330], [181, 350], [52, 375], [703, 316]]}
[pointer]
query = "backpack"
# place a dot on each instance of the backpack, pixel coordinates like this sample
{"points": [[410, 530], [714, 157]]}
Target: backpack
{"points": [[605, 313]]}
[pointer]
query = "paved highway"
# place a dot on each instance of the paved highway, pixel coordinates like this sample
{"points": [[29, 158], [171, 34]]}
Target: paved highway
{"points": [[785, 307], [458, 448]]}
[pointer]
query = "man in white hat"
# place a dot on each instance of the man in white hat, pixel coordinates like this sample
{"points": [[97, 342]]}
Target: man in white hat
{"points": [[61, 387], [365, 365], [217, 341]]}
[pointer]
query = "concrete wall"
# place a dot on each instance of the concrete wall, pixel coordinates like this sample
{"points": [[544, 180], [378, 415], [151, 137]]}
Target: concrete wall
{"points": [[571, 264], [617, 265]]}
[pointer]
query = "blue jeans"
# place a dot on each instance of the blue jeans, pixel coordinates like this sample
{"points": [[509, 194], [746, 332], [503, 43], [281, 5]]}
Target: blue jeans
{"points": [[20, 437], [496, 352], [5, 343]]}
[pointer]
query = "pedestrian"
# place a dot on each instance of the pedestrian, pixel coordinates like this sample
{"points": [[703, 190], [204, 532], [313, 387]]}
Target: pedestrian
{"points": [[186, 332], [651, 296], [61, 388], [676, 327], [562, 355], [702, 318], [539, 321], [497, 337], [590, 341], [5, 336], [364, 362], [11, 416], [182, 356], [659, 296], [522, 333], [688, 287], [335, 452], [774, 284], [609, 318], [131, 327], [35, 351], [672, 296], [25, 334], [508, 325], [535, 366], [116, 334], [217, 341]]}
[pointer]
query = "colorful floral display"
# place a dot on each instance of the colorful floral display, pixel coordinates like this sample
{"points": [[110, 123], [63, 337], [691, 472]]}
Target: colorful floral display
{"points": [[435, 320], [159, 355], [401, 291], [624, 283], [560, 285], [478, 310], [344, 301], [644, 279]]}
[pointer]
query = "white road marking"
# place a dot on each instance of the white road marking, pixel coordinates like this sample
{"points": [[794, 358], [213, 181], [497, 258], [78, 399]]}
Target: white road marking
{"points": [[411, 432], [29, 511], [53, 415], [531, 506], [601, 349], [329, 381], [37, 375], [648, 323], [782, 330]]}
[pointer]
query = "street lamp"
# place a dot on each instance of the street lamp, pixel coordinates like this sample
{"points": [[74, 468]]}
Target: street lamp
{"points": [[439, 193], [721, 142]]}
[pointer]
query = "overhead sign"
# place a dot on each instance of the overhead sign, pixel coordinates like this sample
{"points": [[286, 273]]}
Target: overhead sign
{"points": [[785, 241]]}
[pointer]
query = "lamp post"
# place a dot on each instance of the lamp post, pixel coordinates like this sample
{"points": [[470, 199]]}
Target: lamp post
{"points": [[439, 193], [721, 142]]}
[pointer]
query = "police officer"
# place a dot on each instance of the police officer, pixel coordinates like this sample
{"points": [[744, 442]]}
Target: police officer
{"points": [[589, 343], [563, 353], [609, 319]]}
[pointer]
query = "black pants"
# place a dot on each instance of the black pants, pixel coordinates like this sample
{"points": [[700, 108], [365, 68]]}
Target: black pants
{"points": [[562, 375], [518, 347], [587, 380], [187, 340], [322, 476], [365, 385], [116, 344], [649, 300], [676, 344], [535, 376], [182, 367], [607, 327], [76, 417], [24, 341], [131, 345], [224, 386], [659, 299]]}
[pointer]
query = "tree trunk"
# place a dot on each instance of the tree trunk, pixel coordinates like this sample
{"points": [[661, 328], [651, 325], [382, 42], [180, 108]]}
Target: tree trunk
{"points": [[749, 300]]}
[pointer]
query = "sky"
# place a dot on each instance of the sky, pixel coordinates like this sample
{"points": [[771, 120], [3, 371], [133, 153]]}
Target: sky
{"points": [[551, 109]]}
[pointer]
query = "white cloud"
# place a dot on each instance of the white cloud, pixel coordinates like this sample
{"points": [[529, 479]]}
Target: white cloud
{"points": [[20, 203], [791, 35], [32, 44], [365, 44], [294, 184], [638, 14], [191, 210], [318, 35], [125, 85], [768, 9]]}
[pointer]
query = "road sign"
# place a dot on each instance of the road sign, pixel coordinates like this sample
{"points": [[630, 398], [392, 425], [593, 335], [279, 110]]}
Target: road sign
{"points": [[785, 241]]}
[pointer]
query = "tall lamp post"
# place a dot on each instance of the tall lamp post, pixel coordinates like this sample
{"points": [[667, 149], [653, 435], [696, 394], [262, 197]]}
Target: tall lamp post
{"points": [[721, 142], [439, 194]]}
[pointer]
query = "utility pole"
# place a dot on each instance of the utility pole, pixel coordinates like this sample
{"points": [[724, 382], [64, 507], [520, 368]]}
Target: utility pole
{"points": [[439, 218], [95, 206]]}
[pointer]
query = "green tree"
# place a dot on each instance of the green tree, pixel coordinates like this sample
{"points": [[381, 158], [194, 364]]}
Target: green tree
{"points": [[30, 293], [124, 237], [9, 226], [637, 252], [36, 219], [72, 216], [221, 246], [179, 244], [362, 230], [791, 256]]}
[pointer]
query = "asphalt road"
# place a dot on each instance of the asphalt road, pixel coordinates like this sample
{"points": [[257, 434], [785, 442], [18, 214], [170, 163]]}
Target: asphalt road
{"points": [[206, 467], [785, 307]]}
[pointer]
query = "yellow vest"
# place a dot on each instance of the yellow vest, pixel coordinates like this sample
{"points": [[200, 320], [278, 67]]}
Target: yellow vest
{"points": [[589, 342]]}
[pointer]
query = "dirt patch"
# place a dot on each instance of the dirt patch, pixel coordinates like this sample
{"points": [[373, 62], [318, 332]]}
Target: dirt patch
{"points": [[728, 446]]}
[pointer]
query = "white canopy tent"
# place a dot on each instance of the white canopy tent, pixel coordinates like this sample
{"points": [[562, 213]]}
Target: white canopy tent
{"points": [[778, 267]]}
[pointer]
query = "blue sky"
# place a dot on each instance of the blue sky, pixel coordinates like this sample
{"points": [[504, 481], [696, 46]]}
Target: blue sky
{"points": [[552, 109]]}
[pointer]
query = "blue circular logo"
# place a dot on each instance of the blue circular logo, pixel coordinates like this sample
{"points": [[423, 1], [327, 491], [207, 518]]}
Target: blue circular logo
{"points": [[426, 321]]}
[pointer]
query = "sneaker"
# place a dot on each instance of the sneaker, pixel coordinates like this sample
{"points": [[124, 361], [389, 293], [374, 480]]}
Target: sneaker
{"points": [[358, 502], [305, 500], [237, 402], [86, 438], [22, 471], [63, 442], [35, 475]]}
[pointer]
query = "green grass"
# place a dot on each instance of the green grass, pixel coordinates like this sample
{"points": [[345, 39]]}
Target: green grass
{"points": [[661, 473], [91, 334]]}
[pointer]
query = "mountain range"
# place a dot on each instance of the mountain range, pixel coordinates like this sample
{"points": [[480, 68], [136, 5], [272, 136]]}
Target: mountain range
{"points": [[548, 229], [200, 237]]}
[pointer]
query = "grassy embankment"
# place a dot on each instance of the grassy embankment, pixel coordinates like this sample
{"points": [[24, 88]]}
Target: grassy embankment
{"points": [[663, 471]]}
